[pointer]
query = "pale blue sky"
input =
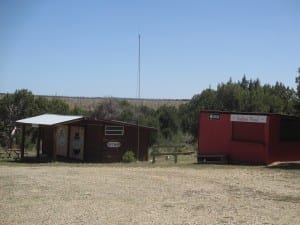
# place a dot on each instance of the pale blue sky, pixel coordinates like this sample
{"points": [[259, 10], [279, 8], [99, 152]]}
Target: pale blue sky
{"points": [[90, 47]]}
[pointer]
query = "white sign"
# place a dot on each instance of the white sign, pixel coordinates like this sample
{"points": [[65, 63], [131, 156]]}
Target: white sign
{"points": [[113, 144], [214, 116], [248, 118]]}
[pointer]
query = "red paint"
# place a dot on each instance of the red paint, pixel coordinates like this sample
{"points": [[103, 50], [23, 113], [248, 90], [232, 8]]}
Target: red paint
{"points": [[214, 135], [281, 150], [245, 142]]}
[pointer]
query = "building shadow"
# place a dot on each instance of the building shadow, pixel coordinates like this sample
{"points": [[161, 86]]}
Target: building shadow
{"points": [[285, 165]]}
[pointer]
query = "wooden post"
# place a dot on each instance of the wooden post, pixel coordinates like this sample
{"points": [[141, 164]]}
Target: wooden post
{"points": [[153, 157], [54, 143], [153, 154], [68, 141], [38, 144], [23, 141], [175, 158]]}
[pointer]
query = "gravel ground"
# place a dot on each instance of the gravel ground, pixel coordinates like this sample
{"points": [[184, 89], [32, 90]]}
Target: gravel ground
{"points": [[202, 194]]}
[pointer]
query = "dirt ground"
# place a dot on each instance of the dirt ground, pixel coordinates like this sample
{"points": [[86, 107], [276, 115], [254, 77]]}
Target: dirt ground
{"points": [[114, 194]]}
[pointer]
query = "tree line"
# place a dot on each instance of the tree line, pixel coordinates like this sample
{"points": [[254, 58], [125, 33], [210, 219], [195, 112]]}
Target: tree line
{"points": [[173, 124]]}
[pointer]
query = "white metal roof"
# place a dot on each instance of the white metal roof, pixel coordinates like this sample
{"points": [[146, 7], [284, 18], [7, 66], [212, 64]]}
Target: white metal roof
{"points": [[48, 119]]}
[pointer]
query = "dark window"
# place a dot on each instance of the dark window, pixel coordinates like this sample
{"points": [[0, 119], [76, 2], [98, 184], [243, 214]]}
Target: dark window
{"points": [[248, 132], [289, 129]]}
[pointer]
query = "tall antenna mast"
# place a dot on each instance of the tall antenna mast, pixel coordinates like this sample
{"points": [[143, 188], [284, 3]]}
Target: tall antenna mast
{"points": [[139, 68], [139, 99]]}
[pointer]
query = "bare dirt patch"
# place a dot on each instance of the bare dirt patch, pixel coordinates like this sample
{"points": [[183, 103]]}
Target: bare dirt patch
{"points": [[148, 195]]}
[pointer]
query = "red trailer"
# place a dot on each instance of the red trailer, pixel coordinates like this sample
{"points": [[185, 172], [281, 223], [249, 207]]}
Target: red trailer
{"points": [[255, 138]]}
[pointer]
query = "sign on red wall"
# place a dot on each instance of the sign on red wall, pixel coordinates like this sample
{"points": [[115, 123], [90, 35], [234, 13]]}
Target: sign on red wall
{"points": [[248, 118]]}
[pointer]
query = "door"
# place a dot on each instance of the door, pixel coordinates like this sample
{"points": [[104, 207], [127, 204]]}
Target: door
{"points": [[76, 142], [61, 137]]}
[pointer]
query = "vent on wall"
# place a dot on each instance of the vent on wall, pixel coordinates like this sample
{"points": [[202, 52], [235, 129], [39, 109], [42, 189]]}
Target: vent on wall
{"points": [[114, 130]]}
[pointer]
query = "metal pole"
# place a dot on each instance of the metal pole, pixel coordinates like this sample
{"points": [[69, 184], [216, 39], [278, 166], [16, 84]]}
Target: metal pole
{"points": [[139, 97]]}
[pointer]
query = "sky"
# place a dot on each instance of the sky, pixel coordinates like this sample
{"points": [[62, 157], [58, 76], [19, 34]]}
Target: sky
{"points": [[90, 47]]}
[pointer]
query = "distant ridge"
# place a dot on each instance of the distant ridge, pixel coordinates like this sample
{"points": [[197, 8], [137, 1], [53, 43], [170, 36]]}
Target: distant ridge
{"points": [[90, 103]]}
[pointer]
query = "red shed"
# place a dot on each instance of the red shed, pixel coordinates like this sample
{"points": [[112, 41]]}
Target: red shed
{"points": [[85, 139], [255, 138]]}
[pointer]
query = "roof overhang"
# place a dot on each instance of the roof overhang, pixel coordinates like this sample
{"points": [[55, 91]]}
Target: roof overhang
{"points": [[48, 120]]}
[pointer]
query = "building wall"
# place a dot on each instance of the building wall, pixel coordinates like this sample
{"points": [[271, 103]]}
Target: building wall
{"points": [[214, 133], [247, 152], [94, 143], [281, 150], [100, 147], [128, 143], [259, 141], [113, 147], [249, 142], [243, 142], [48, 141], [132, 144]]}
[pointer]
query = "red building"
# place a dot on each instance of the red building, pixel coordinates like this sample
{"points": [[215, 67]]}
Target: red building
{"points": [[85, 139], [248, 137]]}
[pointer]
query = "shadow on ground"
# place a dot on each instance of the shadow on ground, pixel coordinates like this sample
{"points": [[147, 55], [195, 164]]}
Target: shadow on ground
{"points": [[285, 165]]}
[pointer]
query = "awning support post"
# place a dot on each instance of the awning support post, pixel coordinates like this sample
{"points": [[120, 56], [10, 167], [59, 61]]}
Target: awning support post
{"points": [[38, 144], [23, 141]]}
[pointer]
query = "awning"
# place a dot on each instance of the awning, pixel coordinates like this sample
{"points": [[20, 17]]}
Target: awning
{"points": [[48, 120]]}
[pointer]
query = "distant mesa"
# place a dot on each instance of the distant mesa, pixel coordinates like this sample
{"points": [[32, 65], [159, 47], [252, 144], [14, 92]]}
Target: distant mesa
{"points": [[90, 103]]}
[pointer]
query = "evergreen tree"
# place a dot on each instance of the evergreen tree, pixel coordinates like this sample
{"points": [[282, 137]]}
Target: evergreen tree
{"points": [[297, 102]]}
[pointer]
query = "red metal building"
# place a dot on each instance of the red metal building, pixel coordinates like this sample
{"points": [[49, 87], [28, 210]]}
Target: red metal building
{"points": [[253, 138]]}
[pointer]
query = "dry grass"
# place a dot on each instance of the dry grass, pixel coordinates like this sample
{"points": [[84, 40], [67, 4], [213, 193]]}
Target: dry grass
{"points": [[147, 194]]}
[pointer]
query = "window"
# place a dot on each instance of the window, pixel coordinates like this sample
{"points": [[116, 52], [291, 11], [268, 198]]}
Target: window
{"points": [[114, 130], [248, 132]]}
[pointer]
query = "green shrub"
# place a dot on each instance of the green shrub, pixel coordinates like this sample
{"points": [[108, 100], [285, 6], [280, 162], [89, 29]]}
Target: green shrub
{"points": [[128, 157]]}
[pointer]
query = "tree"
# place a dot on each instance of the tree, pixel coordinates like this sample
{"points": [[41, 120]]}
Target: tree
{"points": [[244, 83], [126, 112], [167, 117], [41, 105], [6, 123], [297, 101], [189, 112], [298, 83], [58, 106], [107, 110], [229, 96], [12, 108], [148, 116], [78, 111]]}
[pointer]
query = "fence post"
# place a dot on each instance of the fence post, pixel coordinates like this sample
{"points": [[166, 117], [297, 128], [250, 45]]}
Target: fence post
{"points": [[175, 158], [153, 157]]}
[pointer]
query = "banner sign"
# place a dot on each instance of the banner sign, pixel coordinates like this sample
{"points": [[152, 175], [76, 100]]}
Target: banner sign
{"points": [[113, 144], [248, 118]]}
